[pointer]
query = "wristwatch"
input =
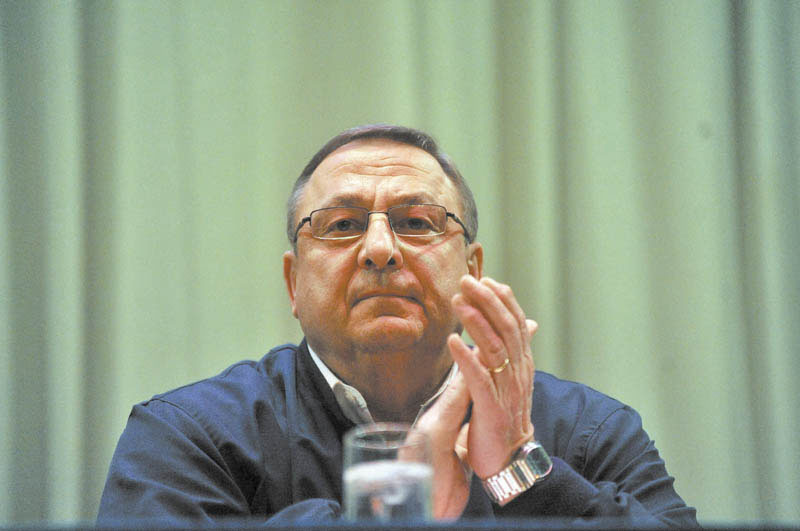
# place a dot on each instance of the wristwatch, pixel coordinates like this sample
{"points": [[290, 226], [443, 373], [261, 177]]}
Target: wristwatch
{"points": [[528, 465]]}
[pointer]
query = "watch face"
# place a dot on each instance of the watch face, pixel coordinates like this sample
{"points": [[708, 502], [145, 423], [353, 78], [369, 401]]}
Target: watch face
{"points": [[529, 464], [538, 461]]}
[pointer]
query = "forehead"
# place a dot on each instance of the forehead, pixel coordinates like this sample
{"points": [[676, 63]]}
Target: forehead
{"points": [[378, 172]]}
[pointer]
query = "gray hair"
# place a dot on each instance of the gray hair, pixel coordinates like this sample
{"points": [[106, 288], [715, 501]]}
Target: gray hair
{"points": [[403, 135]]}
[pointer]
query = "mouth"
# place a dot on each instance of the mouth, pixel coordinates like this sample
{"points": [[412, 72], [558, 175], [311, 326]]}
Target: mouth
{"points": [[383, 295]]}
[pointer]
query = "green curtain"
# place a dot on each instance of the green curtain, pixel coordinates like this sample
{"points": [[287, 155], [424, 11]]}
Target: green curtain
{"points": [[635, 165]]}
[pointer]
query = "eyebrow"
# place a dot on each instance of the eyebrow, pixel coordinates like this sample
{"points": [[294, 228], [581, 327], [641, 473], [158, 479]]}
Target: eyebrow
{"points": [[356, 200]]}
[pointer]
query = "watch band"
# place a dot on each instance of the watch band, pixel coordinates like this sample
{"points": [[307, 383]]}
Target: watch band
{"points": [[528, 465]]}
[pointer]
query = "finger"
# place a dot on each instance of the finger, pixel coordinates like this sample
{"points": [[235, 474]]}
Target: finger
{"points": [[461, 443], [493, 429], [480, 385], [491, 347], [462, 451], [532, 327], [506, 295], [488, 322], [447, 413], [452, 405], [442, 423], [504, 324]]}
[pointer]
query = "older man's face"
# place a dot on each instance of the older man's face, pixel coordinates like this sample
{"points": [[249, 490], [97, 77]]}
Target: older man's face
{"points": [[380, 291]]}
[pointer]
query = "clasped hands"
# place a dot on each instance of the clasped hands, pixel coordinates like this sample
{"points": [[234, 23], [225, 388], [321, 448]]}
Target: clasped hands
{"points": [[500, 392]]}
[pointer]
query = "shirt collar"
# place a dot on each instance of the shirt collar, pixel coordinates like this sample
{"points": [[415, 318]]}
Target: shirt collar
{"points": [[352, 401]]}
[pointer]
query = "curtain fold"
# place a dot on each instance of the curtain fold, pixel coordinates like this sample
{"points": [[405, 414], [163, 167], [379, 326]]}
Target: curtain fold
{"points": [[768, 127], [635, 166]]}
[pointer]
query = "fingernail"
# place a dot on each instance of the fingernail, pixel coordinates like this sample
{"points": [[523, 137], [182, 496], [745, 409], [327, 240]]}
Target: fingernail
{"points": [[469, 279]]}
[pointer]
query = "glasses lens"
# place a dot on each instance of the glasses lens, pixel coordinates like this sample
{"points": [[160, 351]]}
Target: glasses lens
{"points": [[338, 222], [418, 220]]}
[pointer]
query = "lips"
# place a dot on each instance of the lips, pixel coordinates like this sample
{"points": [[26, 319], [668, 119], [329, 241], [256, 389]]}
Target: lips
{"points": [[377, 294], [364, 289], [384, 292]]}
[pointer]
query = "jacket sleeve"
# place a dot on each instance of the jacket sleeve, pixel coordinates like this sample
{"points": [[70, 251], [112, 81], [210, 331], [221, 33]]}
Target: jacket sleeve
{"points": [[622, 478], [173, 468], [167, 469]]}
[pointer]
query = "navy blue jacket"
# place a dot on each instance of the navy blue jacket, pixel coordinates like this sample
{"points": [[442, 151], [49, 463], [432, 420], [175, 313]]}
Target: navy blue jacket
{"points": [[262, 441]]}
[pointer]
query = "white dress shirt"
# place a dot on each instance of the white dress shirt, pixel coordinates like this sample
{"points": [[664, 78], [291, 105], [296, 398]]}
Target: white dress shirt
{"points": [[352, 401]]}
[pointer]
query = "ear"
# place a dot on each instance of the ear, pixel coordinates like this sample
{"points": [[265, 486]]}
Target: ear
{"points": [[475, 259], [290, 277]]}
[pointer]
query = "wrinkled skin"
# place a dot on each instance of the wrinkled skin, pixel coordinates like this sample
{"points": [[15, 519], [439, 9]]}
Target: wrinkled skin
{"points": [[385, 313]]}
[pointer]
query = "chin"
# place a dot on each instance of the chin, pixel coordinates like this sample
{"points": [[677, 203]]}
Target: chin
{"points": [[389, 333]]}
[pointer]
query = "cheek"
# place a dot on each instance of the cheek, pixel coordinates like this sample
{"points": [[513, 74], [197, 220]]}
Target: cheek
{"points": [[322, 280], [441, 278], [318, 302]]}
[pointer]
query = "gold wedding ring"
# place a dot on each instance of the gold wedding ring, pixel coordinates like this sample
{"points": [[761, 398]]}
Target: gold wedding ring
{"points": [[500, 368]]}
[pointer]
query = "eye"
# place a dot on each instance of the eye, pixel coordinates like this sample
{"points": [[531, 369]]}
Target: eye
{"points": [[419, 220], [343, 226], [416, 224], [337, 223]]}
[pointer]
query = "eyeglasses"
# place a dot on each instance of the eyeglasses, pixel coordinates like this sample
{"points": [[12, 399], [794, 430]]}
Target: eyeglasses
{"points": [[343, 223]]}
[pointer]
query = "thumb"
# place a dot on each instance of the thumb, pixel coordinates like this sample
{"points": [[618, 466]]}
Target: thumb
{"points": [[447, 413], [442, 423], [461, 449]]}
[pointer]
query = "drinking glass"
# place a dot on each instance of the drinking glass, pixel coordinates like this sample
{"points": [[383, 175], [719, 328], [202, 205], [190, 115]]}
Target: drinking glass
{"points": [[388, 473]]}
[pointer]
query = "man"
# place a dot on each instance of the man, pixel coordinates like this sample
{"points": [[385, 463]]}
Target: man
{"points": [[383, 275]]}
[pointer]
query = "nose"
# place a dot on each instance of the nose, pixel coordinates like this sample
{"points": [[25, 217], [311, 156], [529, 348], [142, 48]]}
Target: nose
{"points": [[379, 245]]}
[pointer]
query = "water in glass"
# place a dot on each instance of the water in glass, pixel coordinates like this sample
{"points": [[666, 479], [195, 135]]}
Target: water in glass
{"points": [[388, 490]]}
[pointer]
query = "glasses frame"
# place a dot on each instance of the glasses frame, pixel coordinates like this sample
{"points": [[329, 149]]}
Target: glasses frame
{"points": [[449, 214]]}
